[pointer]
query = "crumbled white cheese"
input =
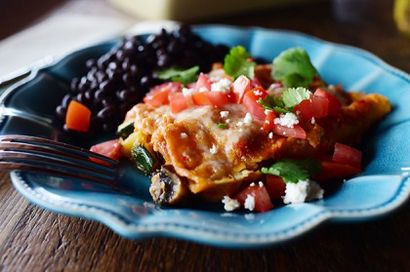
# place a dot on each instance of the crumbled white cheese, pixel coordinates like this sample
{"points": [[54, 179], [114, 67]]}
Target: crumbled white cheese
{"points": [[248, 118], [267, 111], [258, 92], [270, 135], [239, 124], [252, 184], [249, 202], [183, 135], [288, 119], [260, 183], [302, 191], [224, 114], [313, 121], [227, 121], [187, 92], [223, 85], [230, 204], [213, 149]]}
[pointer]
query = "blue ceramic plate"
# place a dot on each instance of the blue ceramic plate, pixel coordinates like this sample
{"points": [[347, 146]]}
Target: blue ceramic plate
{"points": [[28, 108]]}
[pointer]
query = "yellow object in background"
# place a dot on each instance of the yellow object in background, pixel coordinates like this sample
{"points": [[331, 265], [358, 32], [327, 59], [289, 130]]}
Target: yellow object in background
{"points": [[402, 15], [195, 9]]}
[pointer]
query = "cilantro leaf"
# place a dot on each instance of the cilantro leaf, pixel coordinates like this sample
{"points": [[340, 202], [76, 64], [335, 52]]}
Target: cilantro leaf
{"points": [[180, 75], [293, 170], [293, 96], [273, 103], [222, 125], [294, 68], [237, 63]]}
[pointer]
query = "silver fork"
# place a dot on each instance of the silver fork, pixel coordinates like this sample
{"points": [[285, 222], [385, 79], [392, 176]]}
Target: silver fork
{"points": [[35, 154]]}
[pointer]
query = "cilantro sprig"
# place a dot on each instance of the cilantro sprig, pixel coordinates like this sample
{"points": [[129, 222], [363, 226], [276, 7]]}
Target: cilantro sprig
{"points": [[294, 68], [293, 96], [273, 103], [237, 63], [293, 170], [285, 102], [184, 76]]}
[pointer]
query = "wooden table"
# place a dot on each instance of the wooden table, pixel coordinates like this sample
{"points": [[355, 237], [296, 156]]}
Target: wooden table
{"points": [[33, 239]]}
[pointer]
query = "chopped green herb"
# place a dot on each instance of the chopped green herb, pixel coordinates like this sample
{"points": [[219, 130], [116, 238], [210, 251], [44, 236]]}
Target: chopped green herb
{"points": [[237, 63], [273, 103], [293, 170], [294, 68], [293, 96], [222, 125], [180, 75]]}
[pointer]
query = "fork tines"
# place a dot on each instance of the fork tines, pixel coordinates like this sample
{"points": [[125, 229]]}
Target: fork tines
{"points": [[20, 152]]}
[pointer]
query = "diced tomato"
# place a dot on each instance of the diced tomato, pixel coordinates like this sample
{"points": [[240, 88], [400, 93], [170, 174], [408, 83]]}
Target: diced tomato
{"points": [[201, 98], [268, 123], [217, 99], [296, 132], [334, 103], [178, 102], [203, 82], [275, 187], [111, 149], [263, 202], [159, 95], [347, 155], [333, 171], [241, 85], [250, 101], [78, 117], [316, 106]]}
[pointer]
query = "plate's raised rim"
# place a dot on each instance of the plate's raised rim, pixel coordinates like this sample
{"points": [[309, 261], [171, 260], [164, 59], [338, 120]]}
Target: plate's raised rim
{"points": [[204, 234]]}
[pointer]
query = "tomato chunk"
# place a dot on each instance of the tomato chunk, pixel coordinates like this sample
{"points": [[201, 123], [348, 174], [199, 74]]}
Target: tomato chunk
{"points": [[203, 82], [111, 149], [240, 86], [316, 107], [268, 123], [348, 155], [78, 117], [275, 187], [159, 95], [217, 99], [178, 102], [297, 131], [263, 202], [250, 101], [334, 103], [333, 171]]}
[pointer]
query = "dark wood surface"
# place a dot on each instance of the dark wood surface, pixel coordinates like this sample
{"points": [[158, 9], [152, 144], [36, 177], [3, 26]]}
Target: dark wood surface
{"points": [[33, 239]]}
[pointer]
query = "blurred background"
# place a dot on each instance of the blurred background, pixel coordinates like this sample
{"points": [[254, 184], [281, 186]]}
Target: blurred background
{"points": [[32, 30]]}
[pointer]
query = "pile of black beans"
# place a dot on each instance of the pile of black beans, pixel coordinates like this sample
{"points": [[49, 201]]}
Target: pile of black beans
{"points": [[120, 78]]}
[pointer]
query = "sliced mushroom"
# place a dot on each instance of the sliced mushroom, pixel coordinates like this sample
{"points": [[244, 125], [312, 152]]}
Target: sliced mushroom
{"points": [[167, 188]]}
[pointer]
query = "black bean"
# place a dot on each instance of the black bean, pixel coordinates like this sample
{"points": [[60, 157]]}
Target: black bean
{"points": [[74, 84], [90, 63], [61, 111], [106, 112], [145, 81], [108, 101], [99, 95], [106, 86], [89, 95], [66, 99]]}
